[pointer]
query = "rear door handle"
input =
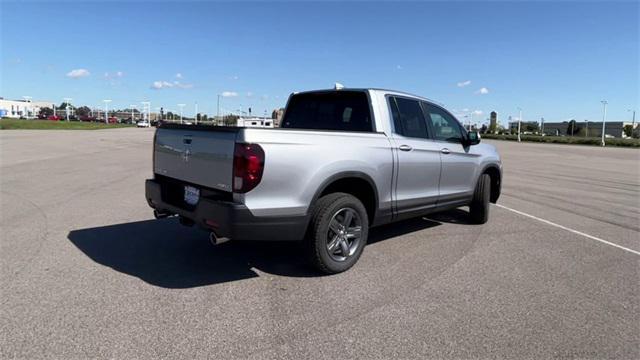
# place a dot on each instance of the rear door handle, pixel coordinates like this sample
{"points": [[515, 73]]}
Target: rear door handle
{"points": [[405, 148], [445, 151]]}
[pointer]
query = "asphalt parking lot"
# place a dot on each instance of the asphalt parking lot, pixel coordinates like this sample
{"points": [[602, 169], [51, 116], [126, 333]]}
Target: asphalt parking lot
{"points": [[86, 272]]}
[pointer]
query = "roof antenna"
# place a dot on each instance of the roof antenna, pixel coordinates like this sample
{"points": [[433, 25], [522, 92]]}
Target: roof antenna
{"points": [[338, 86]]}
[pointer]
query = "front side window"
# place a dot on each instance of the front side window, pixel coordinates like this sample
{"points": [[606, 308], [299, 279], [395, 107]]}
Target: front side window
{"points": [[445, 127], [408, 117]]}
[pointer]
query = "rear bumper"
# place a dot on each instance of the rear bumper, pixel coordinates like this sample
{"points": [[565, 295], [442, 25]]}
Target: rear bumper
{"points": [[231, 220]]}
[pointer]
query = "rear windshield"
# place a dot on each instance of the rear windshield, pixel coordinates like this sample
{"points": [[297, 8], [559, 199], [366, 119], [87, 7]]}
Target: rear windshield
{"points": [[338, 110]]}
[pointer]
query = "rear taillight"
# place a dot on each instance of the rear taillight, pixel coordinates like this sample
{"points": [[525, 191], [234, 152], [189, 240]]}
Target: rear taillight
{"points": [[248, 164]]}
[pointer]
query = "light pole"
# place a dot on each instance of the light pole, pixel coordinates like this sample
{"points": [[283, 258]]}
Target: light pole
{"points": [[633, 122], [542, 126], [604, 117], [133, 115], [519, 122], [181, 106], [147, 107], [27, 99], [106, 110], [67, 102], [218, 116], [586, 129], [196, 116]]}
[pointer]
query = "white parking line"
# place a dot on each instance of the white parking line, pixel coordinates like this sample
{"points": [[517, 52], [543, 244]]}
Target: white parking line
{"points": [[569, 229]]}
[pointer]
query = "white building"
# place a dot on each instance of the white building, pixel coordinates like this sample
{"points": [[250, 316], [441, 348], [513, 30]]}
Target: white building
{"points": [[22, 108], [255, 122]]}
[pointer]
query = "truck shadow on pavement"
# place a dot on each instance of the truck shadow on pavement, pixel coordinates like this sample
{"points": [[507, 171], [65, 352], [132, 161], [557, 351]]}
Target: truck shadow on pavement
{"points": [[164, 253]]}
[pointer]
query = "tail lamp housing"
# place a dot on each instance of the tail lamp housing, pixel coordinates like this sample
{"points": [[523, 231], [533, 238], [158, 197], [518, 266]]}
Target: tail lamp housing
{"points": [[248, 165]]}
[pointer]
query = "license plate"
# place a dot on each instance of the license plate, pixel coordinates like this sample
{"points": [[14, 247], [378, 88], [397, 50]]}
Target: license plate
{"points": [[191, 195]]}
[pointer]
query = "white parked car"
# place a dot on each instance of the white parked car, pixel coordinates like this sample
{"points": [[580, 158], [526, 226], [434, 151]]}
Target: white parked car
{"points": [[143, 124]]}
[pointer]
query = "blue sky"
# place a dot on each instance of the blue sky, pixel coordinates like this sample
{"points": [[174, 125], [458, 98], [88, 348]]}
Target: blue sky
{"points": [[555, 60]]}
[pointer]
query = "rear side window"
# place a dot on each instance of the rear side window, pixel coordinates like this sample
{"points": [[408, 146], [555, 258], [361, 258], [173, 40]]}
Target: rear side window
{"points": [[408, 117], [337, 110]]}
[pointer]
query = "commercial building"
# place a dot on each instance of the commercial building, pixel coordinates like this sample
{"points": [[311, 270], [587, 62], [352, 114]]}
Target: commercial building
{"points": [[528, 127], [22, 108], [588, 128]]}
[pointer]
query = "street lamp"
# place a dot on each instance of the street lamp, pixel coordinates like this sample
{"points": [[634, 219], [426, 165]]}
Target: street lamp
{"points": [[27, 99], [586, 129], [218, 116], [133, 115], [106, 110], [519, 122], [147, 107], [604, 117], [633, 122], [181, 106], [67, 102]]}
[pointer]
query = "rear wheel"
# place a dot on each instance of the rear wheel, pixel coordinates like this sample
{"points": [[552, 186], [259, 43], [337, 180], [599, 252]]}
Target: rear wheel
{"points": [[338, 233], [479, 207]]}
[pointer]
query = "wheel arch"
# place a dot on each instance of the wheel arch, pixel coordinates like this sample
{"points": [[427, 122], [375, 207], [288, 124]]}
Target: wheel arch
{"points": [[495, 174], [355, 183]]}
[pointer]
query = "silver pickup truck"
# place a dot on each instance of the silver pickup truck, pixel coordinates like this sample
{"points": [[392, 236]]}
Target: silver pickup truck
{"points": [[343, 161]]}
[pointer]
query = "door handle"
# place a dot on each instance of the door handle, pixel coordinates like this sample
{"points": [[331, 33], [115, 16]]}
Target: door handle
{"points": [[445, 151], [405, 148]]}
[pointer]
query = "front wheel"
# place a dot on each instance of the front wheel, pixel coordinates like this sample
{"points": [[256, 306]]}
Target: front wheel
{"points": [[338, 233], [479, 207]]}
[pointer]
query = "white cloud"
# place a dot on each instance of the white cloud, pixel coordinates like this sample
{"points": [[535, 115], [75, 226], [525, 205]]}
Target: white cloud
{"points": [[167, 85], [264, 97], [78, 73], [179, 76], [161, 85], [249, 94], [229, 94], [477, 112], [482, 91], [464, 83], [117, 74]]}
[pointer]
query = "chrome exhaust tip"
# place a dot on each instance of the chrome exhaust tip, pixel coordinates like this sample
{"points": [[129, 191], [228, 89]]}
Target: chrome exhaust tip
{"points": [[215, 240]]}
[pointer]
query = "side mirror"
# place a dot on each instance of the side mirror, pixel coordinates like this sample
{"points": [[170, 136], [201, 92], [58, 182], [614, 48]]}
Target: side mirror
{"points": [[473, 138]]}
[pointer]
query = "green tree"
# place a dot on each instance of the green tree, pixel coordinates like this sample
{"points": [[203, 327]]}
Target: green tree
{"points": [[230, 120], [45, 112], [628, 130], [573, 128], [63, 105], [83, 111]]}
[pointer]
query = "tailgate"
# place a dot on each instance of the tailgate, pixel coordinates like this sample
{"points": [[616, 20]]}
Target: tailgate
{"points": [[195, 155]]}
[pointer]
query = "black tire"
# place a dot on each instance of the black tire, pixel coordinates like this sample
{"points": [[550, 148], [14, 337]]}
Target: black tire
{"points": [[318, 240], [479, 207]]}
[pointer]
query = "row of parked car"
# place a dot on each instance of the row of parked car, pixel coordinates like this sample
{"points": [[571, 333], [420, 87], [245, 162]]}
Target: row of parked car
{"points": [[111, 120]]}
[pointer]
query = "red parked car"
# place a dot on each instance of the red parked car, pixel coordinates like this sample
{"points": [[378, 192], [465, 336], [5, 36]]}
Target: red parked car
{"points": [[53, 117], [88, 118]]}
